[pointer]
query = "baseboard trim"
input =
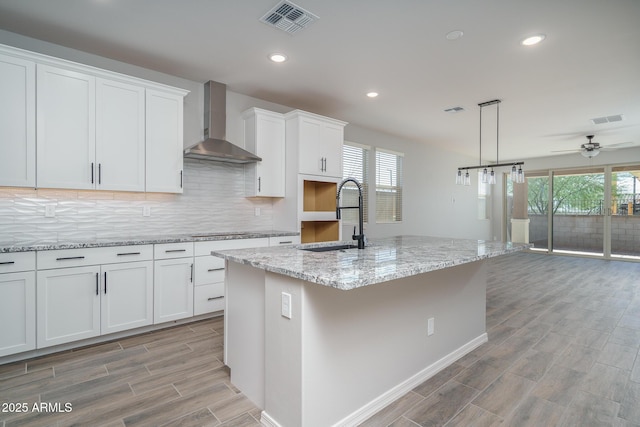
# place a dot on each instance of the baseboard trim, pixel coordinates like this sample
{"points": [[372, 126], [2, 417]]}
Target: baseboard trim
{"points": [[403, 388], [266, 420]]}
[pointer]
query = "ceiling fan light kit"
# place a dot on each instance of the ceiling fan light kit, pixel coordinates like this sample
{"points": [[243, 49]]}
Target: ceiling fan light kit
{"points": [[517, 174]]}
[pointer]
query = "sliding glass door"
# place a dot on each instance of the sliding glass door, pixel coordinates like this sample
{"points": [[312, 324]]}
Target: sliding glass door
{"points": [[578, 209], [625, 211], [592, 211]]}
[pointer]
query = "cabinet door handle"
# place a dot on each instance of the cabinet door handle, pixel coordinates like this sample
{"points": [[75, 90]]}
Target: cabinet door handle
{"points": [[69, 257], [7, 262], [97, 283], [129, 253], [180, 179], [259, 184], [105, 282], [99, 173], [191, 278], [174, 250], [214, 298], [92, 173], [215, 269], [288, 242]]}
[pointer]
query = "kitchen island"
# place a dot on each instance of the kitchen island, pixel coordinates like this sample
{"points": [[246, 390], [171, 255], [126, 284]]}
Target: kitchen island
{"points": [[330, 338]]}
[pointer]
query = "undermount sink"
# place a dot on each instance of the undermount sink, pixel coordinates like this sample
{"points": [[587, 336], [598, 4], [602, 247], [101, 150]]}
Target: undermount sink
{"points": [[330, 248]]}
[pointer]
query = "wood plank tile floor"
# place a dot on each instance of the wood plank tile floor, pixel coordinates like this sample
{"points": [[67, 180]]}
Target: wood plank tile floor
{"points": [[563, 350]]}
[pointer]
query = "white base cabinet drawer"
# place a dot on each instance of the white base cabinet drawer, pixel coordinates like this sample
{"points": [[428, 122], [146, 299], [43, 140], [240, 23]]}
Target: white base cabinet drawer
{"points": [[208, 298], [284, 240], [208, 269], [173, 250], [62, 258], [17, 312], [12, 262]]}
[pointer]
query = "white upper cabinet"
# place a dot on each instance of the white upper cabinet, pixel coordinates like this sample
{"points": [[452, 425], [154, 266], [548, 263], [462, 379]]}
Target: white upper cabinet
{"points": [[264, 135], [69, 125], [17, 122], [65, 129], [120, 136], [164, 122], [319, 140]]}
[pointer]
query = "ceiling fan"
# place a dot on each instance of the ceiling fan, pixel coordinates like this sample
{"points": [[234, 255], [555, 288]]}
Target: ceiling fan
{"points": [[591, 149]]}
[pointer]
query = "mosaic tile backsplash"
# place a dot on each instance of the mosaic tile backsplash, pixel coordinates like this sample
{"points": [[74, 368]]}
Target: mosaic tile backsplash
{"points": [[213, 201]]}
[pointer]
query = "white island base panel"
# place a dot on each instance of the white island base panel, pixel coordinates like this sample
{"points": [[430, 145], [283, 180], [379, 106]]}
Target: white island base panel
{"points": [[345, 355]]}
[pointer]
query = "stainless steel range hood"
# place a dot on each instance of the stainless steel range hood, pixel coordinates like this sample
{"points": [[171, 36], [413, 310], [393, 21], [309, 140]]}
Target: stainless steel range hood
{"points": [[215, 147]]}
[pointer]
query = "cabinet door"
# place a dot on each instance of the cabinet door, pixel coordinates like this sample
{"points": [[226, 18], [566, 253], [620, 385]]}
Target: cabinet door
{"points": [[120, 126], [68, 303], [17, 122], [310, 150], [127, 296], [164, 119], [66, 129], [332, 139], [17, 312], [172, 289]]}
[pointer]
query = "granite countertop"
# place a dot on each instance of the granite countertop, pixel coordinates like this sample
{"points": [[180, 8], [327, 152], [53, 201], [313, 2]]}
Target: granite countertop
{"points": [[382, 260], [141, 240]]}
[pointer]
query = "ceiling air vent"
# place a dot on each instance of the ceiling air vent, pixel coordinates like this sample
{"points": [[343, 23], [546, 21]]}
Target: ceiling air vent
{"points": [[607, 119], [454, 110], [288, 17]]}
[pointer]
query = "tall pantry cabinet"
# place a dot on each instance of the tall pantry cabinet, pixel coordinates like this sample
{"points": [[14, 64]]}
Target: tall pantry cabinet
{"points": [[314, 169]]}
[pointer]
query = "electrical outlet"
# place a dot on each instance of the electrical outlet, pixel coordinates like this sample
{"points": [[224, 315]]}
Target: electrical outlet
{"points": [[146, 211], [286, 305], [257, 211], [430, 326], [50, 211]]}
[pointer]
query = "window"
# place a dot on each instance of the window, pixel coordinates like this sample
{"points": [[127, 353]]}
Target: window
{"points": [[388, 186], [355, 164]]}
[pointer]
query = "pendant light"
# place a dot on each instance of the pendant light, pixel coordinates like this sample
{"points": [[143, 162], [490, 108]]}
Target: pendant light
{"points": [[489, 177]]}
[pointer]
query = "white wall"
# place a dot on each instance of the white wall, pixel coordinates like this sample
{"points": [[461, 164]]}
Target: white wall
{"points": [[433, 203], [429, 186]]}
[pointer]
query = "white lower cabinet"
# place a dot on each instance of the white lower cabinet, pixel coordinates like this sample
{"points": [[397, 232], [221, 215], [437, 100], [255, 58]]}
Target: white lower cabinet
{"points": [[82, 301], [68, 305], [127, 296], [173, 282], [17, 303]]}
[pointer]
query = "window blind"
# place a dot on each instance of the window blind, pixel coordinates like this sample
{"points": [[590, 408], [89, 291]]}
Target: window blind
{"points": [[388, 186], [355, 164]]}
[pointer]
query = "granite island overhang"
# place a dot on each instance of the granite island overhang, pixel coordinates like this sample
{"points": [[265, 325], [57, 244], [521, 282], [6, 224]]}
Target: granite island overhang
{"points": [[330, 338]]}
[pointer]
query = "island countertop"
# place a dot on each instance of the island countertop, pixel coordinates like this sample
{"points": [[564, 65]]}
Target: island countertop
{"points": [[381, 261]]}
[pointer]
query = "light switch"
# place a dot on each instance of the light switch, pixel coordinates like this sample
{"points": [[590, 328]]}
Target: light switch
{"points": [[286, 305], [146, 211], [50, 211]]}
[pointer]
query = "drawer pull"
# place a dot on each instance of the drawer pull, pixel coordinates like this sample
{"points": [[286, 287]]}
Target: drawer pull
{"points": [[175, 250], [129, 253], [215, 269], [7, 262], [214, 298], [288, 242], [69, 258]]}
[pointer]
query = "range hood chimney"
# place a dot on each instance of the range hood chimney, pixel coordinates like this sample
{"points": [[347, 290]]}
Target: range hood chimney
{"points": [[215, 147]]}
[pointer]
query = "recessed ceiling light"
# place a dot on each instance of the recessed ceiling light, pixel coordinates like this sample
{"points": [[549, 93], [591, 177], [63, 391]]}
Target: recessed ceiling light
{"points": [[372, 94], [454, 35], [530, 41], [278, 57]]}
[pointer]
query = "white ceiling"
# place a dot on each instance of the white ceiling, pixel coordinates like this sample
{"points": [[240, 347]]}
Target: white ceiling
{"points": [[588, 66]]}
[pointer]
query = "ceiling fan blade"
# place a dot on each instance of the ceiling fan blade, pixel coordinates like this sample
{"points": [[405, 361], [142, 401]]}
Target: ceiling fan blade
{"points": [[566, 151], [621, 145]]}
